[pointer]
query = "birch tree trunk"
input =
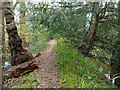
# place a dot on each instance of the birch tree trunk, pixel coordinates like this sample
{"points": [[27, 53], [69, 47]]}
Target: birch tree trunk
{"points": [[18, 53]]}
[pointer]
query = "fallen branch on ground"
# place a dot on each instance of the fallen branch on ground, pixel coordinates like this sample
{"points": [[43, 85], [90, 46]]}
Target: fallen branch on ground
{"points": [[21, 69], [114, 78]]}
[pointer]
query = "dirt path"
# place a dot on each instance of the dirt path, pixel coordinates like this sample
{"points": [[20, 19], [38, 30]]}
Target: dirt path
{"points": [[47, 74]]}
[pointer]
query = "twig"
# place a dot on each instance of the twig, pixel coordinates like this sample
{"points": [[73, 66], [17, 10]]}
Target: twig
{"points": [[114, 78], [115, 75]]}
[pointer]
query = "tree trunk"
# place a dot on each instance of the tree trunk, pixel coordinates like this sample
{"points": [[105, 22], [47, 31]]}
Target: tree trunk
{"points": [[3, 40], [18, 53], [1, 32], [93, 34]]}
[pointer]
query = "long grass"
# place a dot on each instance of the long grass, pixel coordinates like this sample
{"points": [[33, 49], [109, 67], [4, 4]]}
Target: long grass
{"points": [[77, 71]]}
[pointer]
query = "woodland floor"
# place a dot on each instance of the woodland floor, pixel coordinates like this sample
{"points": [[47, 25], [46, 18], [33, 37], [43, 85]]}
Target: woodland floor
{"points": [[47, 74]]}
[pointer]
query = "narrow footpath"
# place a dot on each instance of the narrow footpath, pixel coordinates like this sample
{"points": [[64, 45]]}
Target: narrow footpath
{"points": [[47, 74]]}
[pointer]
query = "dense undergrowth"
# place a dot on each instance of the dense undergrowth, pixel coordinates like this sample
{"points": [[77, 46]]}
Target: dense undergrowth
{"points": [[38, 43], [38, 39], [77, 71]]}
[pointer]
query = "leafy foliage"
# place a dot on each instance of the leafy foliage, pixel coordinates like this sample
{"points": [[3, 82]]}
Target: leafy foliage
{"points": [[74, 21]]}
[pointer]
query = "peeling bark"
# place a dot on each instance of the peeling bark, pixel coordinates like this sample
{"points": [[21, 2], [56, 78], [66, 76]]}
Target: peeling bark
{"points": [[18, 53]]}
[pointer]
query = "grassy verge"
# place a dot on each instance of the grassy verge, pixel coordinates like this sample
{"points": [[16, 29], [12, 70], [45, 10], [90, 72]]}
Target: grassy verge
{"points": [[77, 71]]}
